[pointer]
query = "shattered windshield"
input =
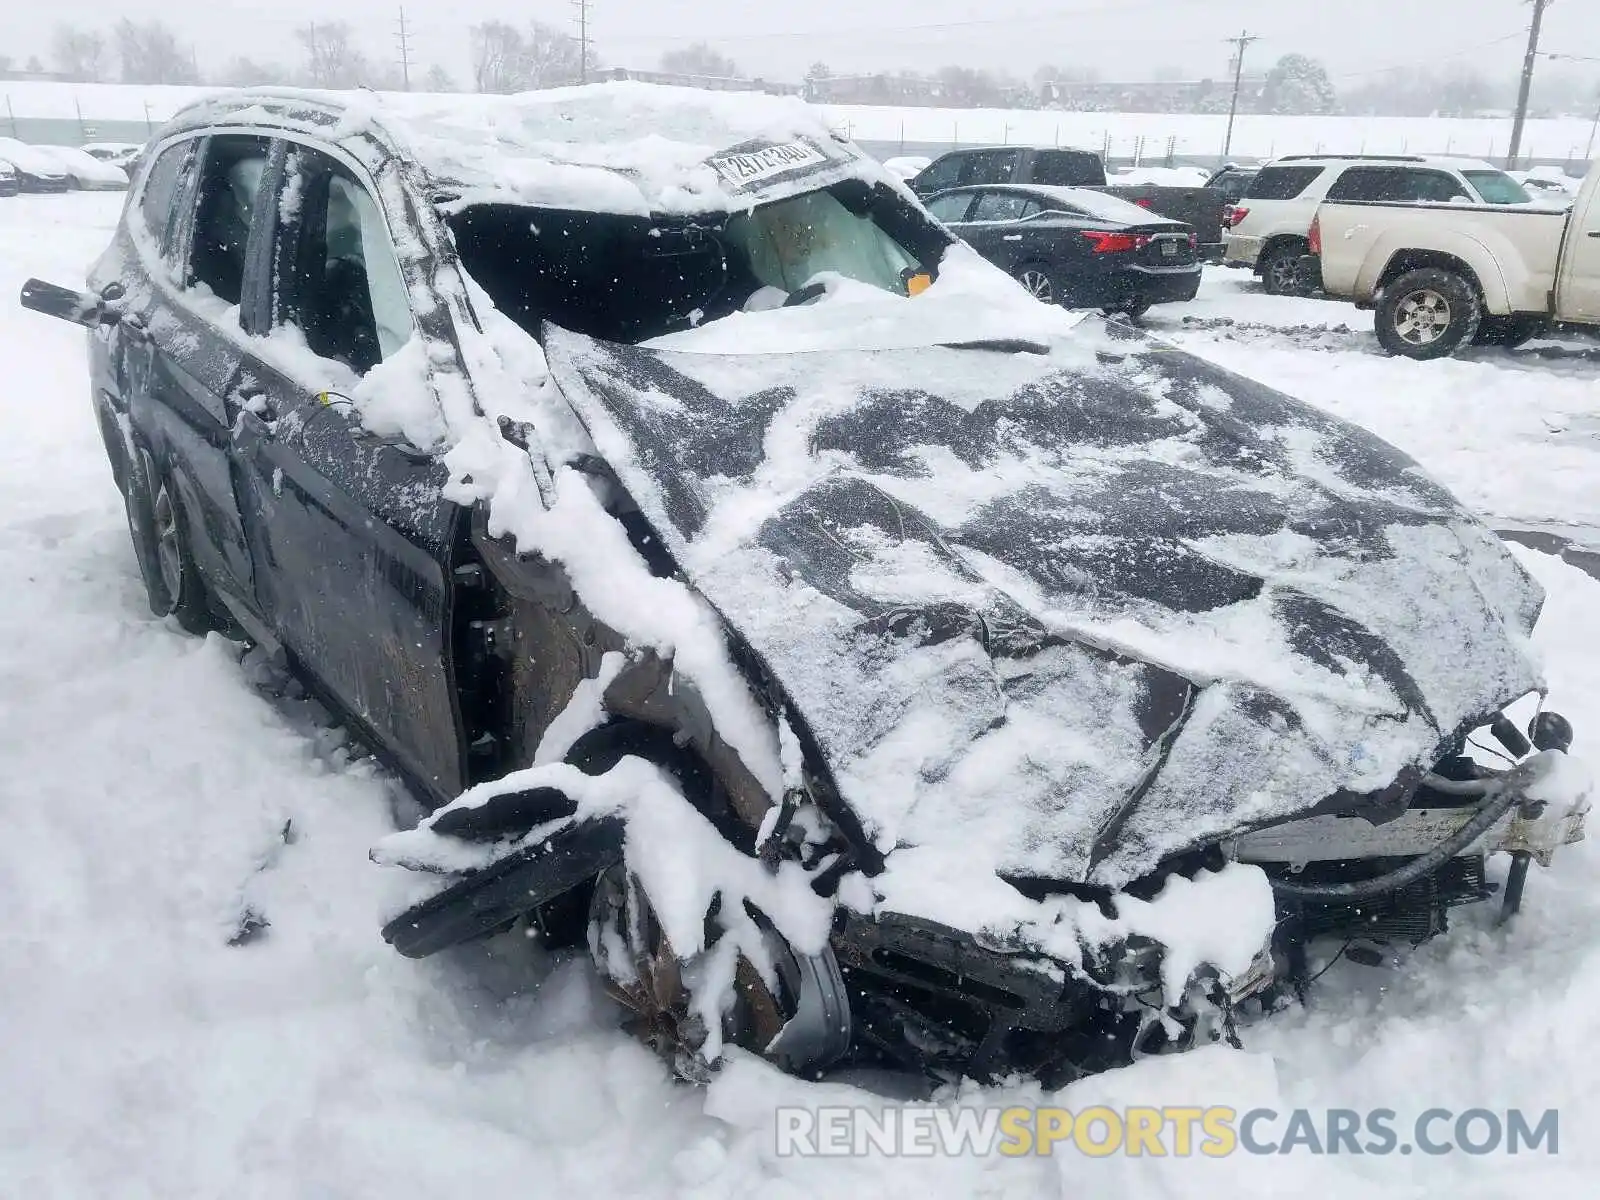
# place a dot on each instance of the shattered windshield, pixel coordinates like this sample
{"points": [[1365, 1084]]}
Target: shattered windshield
{"points": [[629, 279]]}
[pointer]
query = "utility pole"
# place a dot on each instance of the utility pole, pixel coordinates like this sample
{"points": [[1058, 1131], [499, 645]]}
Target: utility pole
{"points": [[582, 9], [1593, 129], [402, 39], [1528, 62], [1242, 42]]}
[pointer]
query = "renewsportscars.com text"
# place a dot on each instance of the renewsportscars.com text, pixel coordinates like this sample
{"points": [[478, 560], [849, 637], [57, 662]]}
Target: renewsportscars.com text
{"points": [[1159, 1132]]}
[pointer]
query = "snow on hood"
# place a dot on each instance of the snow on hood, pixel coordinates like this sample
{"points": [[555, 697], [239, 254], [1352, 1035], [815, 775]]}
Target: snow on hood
{"points": [[1063, 614]]}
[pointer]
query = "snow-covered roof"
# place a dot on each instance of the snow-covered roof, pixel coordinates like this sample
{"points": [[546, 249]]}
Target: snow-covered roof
{"points": [[616, 147]]}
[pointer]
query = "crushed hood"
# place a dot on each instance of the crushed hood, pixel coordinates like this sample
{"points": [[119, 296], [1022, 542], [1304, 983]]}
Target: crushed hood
{"points": [[1067, 612]]}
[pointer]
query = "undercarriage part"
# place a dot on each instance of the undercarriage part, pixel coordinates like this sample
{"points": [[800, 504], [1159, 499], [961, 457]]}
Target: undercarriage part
{"points": [[482, 902], [801, 1022], [928, 999], [1412, 914]]}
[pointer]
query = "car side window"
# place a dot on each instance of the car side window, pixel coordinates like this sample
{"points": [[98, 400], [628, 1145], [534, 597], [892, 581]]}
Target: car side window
{"points": [[158, 199], [991, 166], [1067, 168], [1282, 183], [230, 184], [1431, 187], [340, 282], [951, 209], [941, 173], [1004, 206]]}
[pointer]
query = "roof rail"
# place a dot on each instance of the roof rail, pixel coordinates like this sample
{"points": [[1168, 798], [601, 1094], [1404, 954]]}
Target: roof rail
{"points": [[1355, 157]]}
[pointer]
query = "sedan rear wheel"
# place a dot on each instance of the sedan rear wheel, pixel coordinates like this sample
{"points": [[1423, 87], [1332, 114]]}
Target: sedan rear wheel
{"points": [[1038, 282]]}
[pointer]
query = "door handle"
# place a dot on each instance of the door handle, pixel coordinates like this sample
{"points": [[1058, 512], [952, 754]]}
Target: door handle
{"points": [[1012, 237], [1595, 233]]}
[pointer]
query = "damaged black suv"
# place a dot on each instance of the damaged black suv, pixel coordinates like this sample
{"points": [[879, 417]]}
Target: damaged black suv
{"points": [[868, 663]]}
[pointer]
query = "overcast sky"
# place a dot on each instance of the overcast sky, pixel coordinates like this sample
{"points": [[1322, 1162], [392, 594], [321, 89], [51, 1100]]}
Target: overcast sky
{"points": [[1121, 38]]}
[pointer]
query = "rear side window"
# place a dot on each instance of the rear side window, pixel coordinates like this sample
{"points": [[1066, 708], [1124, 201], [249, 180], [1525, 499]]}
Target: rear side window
{"points": [[1068, 168], [1396, 185], [159, 200], [1281, 183], [941, 173], [991, 166], [951, 208], [1004, 206], [1496, 187], [230, 184]]}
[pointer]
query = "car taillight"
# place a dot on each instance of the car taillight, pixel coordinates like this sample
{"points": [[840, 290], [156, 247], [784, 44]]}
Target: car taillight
{"points": [[1143, 202], [1233, 214], [1194, 241], [1315, 237], [1106, 242]]}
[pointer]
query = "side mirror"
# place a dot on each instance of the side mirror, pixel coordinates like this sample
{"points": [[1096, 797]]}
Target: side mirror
{"points": [[81, 308]]}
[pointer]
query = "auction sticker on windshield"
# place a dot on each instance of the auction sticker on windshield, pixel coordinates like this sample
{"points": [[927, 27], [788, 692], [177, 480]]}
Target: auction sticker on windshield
{"points": [[752, 166]]}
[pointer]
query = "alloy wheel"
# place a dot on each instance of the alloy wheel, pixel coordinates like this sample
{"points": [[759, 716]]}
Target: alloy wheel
{"points": [[1038, 285], [1422, 317]]}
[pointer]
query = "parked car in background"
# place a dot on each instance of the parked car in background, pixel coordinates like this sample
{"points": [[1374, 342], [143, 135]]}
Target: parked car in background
{"points": [[1270, 226], [84, 172], [1198, 207], [119, 154], [36, 170], [1076, 247], [1443, 277], [907, 166], [1231, 181], [8, 179]]}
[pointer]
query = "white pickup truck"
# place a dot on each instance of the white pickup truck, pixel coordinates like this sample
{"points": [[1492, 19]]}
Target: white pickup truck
{"points": [[1442, 276]]}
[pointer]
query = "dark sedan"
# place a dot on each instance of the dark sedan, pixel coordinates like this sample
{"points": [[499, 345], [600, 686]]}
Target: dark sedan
{"points": [[1076, 247]]}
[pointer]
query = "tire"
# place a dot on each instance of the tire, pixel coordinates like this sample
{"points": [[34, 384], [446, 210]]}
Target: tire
{"points": [[1428, 313], [155, 522], [1282, 274], [1039, 281]]}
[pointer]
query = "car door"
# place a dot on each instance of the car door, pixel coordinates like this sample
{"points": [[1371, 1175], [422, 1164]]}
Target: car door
{"points": [[943, 172], [951, 208], [990, 166], [182, 355], [1578, 287], [996, 228], [351, 535]]}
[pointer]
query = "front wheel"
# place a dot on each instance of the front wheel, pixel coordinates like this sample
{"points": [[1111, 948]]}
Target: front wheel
{"points": [[796, 1014], [1428, 313]]}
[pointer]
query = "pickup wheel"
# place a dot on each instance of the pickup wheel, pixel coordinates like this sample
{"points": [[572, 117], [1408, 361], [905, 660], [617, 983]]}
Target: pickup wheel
{"points": [[1282, 273], [1428, 313]]}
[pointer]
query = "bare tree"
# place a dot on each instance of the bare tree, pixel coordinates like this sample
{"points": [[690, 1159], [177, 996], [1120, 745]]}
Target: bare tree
{"points": [[80, 54], [149, 53], [699, 59], [332, 59], [504, 59], [496, 57], [553, 58], [438, 80]]}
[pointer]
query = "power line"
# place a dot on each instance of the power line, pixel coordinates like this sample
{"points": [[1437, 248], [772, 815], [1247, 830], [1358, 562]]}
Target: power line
{"points": [[1243, 42], [402, 38]]}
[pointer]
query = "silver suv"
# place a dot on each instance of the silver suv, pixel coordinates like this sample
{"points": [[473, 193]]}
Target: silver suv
{"points": [[1268, 227]]}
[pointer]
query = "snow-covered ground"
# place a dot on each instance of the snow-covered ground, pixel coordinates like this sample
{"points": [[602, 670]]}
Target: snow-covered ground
{"points": [[146, 786]]}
